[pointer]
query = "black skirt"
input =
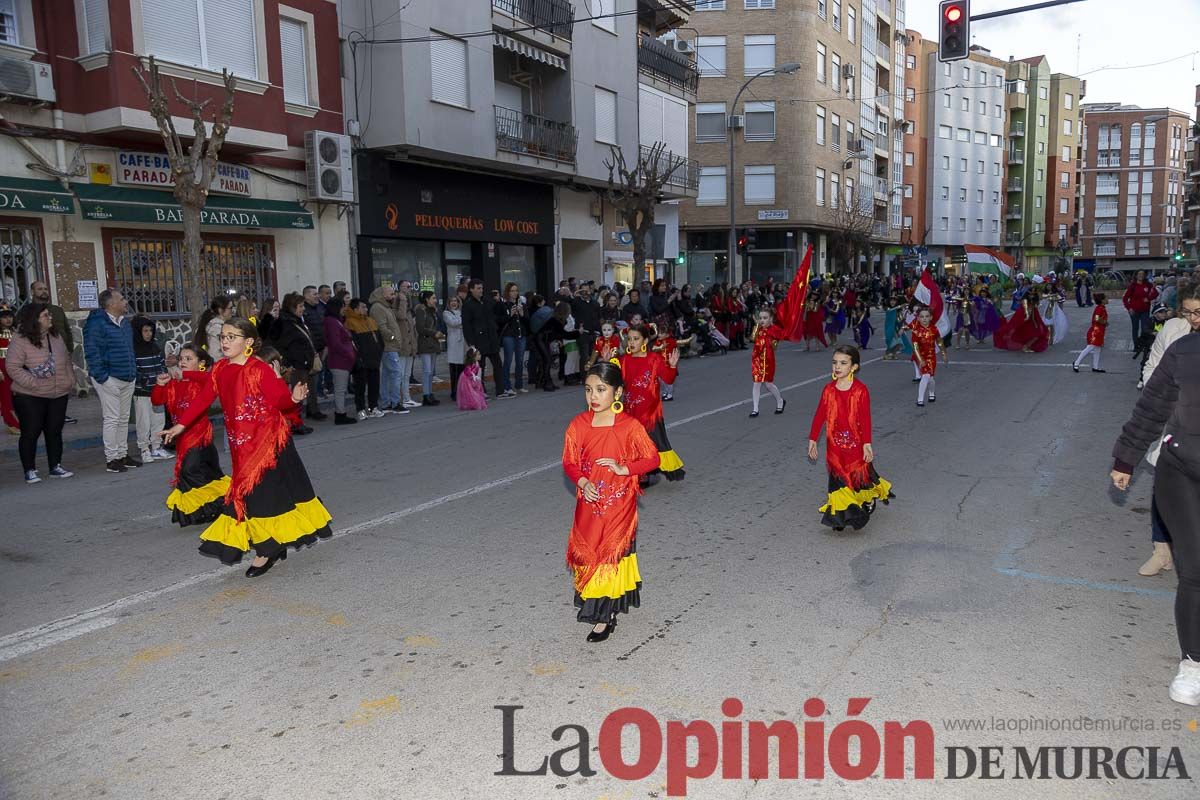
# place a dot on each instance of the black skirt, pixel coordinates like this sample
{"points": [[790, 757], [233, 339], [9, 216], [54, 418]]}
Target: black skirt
{"points": [[200, 490]]}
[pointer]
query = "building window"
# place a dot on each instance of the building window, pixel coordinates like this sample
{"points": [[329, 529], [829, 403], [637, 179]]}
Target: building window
{"points": [[962, 224], [1043, 93], [979, 167], [760, 121], [963, 135], [995, 226], [837, 15], [982, 108], [946, 220], [821, 59], [962, 165], [979, 225], [9, 26], [752, 5], [962, 194], [1069, 100], [149, 272], [95, 25], [966, 74], [835, 132], [851, 24], [1041, 120], [945, 132], [1041, 175], [946, 162], [1067, 128], [1037, 201], [448, 60], [293, 40], [995, 198], [821, 9], [710, 5], [1066, 155], [947, 70], [1064, 179], [835, 67], [602, 15], [1041, 148], [910, 94], [996, 140], [820, 187], [212, 36], [1062, 205], [908, 159], [979, 195], [710, 122], [712, 187], [710, 56], [999, 112], [945, 192], [964, 103], [995, 167], [606, 116], [835, 189], [758, 54], [821, 125], [908, 190], [945, 101], [981, 137], [910, 62], [983, 77], [760, 185]]}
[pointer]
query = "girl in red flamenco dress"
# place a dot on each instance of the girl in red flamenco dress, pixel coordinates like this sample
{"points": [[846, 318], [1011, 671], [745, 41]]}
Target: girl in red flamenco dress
{"points": [[271, 504], [1095, 334], [605, 452], [641, 370], [766, 338], [1024, 330], [199, 484], [814, 323], [845, 413], [927, 340]]}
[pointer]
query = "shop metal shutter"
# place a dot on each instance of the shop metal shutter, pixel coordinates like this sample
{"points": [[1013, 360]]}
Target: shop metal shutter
{"points": [[229, 36], [292, 40], [448, 61], [95, 13], [171, 29], [606, 116]]}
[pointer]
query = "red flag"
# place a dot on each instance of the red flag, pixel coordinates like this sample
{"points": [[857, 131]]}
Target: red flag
{"points": [[928, 293], [789, 314]]}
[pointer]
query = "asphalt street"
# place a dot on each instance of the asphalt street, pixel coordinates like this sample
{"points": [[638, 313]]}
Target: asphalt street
{"points": [[1000, 585]]}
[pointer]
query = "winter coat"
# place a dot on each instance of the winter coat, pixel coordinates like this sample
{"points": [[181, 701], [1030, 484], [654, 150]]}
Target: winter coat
{"points": [[314, 318], [1170, 404], [148, 357], [479, 325], [293, 341], [456, 345], [108, 347], [406, 326], [26, 364], [212, 332], [339, 344], [425, 323], [506, 324], [586, 313], [365, 333], [385, 318]]}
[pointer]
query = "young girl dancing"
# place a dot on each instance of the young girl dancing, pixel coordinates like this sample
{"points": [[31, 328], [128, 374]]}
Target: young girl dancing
{"points": [[199, 484], [641, 370], [271, 504], [1095, 335], [604, 453], [845, 413], [766, 338], [926, 341]]}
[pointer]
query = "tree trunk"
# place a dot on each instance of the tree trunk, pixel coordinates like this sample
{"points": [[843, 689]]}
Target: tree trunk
{"points": [[193, 286]]}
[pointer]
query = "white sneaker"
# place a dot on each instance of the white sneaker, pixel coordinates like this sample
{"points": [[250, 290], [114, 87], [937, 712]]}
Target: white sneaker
{"points": [[1186, 686], [361, 416], [523, 390], [147, 457], [375, 413], [411, 404], [161, 455], [31, 476]]}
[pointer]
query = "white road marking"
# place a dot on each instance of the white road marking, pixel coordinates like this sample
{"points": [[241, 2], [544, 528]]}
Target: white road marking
{"points": [[51, 633], [955, 363]]}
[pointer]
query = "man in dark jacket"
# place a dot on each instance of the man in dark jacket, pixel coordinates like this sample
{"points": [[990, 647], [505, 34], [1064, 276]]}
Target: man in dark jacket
{"points": [[586, 312], [314, 318], [479, 329], [108, 346]]}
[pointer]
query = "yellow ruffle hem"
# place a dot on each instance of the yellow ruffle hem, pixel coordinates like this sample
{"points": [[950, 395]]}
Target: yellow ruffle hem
{"points": [[304, 520], [668, 461], [614, 581], [192, 500], [846, 497]]}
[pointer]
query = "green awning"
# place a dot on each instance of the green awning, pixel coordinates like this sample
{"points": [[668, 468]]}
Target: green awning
{"points": [[114, 204], [30, 194]]}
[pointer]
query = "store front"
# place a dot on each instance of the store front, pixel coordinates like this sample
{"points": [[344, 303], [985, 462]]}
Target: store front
{"points": [[438, 227], [22, 240]]}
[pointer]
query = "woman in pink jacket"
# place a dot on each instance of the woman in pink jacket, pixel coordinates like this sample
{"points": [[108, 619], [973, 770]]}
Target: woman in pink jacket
{"points": [[42, 378]]}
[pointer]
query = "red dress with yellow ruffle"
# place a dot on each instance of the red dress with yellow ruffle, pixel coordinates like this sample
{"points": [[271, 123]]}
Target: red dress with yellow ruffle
{"points": [[271, 503], [643, 402], [602, 547], [854, 485], [199, 484], [762, 357]]}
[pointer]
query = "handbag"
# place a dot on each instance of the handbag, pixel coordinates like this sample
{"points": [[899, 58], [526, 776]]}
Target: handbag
{"points": [[317, 363]]}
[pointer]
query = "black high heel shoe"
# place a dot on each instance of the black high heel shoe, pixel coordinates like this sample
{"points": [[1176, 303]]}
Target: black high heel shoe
{"points": [[254, 572], [593, 636]]}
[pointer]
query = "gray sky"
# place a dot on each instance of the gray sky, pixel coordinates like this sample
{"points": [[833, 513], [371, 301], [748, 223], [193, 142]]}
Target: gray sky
{"points": [[1109, 33]]}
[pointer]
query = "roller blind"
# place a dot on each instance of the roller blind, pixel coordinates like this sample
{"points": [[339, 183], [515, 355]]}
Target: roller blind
{"points": [[606, 116], [675, 126], [230, 36], [449, 68], [760, 184], [95, 13], [293, 43], [224, 36], [171, 29], [650, 117]]}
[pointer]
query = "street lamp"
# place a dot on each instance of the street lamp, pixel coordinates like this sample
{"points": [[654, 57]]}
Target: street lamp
{"points": [[788, 68]]}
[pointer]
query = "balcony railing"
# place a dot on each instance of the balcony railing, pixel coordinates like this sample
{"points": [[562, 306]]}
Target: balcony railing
{"points": [[884, 9], [1108, 188], [529, 134], [884, 100], [882, 50], [685, 172], [1016, 157], [1013, 239], [880, 230], [1105, 250], [1016, 185], [1016, 129], [553, 16], [1105, 211], [1014, 212], [658, 60]]}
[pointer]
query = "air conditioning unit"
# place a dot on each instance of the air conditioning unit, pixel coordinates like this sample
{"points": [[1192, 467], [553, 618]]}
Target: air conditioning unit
{"points": [[327, 158], [735, 122], [847, 71], [29, 80], [683, 46]]}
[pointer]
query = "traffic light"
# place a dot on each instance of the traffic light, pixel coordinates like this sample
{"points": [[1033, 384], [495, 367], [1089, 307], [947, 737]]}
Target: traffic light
{"points": [[681, 258], [1177, 256], [742, 241], [751, 238], [954, 23]]}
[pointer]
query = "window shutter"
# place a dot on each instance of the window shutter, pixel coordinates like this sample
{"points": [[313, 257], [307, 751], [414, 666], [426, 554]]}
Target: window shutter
{"points": [[606, 116], [230, 36], [95, 13], [449, 62], [675, 126], [293, 43], [760, 184], [650, 118], [171, 29]]}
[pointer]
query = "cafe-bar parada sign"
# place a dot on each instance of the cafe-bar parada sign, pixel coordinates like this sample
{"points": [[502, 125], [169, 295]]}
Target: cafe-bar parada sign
{"points": [[154, 169]]}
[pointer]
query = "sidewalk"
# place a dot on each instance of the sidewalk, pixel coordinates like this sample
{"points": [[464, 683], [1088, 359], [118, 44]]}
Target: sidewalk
{"points": [[85, 434]]}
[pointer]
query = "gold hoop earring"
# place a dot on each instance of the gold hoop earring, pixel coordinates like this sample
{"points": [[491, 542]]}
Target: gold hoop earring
{"points": [[201, 367], [617, 406], [643, 347], [249, 351], [629, 350], [833, 376], [615, 360]]}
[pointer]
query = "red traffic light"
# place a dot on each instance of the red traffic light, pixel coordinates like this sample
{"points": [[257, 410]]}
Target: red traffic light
{"points": [[953, 13]]}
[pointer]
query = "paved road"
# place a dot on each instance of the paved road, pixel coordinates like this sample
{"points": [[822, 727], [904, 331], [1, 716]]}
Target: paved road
{"points": [[1001, 583]]}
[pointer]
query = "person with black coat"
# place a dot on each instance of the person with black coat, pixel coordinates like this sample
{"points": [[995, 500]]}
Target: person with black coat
{"points": [[553, 333], [369, 343], [479, 329], [586, 312], [294, 342]]}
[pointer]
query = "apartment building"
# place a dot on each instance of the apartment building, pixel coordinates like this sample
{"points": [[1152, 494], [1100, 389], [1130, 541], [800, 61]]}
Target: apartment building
{"points": [[1027, 92], [964, 174], [484, 136], [1134, 193], [914, 225], [1191, 222], [1062, 163], [807, 145], [84, 179]]}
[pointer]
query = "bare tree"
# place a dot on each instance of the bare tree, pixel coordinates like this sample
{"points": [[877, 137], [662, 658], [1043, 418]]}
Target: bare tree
{"points": [[635, 191], [852, 224], [194, 167]]}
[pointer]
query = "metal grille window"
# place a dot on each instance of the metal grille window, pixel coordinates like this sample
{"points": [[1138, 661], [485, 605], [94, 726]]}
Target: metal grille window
{"points": [[149, 272], [20, 262]]}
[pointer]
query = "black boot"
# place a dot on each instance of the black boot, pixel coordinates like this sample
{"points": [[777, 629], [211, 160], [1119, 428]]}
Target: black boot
{"points": [[343, 419]]}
